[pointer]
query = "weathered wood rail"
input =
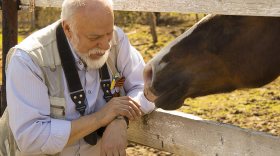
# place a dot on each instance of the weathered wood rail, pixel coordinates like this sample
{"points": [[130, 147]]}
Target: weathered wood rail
{"points": [[226, 7], [185, 134]]}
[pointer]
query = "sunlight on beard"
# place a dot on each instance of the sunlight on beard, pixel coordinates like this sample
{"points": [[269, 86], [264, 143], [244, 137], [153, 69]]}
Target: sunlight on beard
{"points": [[94, 63], [90, 62]]}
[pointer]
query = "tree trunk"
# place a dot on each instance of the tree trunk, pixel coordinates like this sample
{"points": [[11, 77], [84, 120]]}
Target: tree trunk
{"points": [[33, 20], [196, 18], [152, 22], [9, 32]]}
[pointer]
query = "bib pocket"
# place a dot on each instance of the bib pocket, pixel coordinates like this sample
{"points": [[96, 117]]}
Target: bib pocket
{"points": [[58, 106]]}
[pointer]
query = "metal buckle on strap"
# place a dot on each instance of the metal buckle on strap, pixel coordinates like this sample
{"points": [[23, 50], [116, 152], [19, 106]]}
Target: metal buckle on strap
{"points": [[105, 84], [106, 81], [78, 97]]}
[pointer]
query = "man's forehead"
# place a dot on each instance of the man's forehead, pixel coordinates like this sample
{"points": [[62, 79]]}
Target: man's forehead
{"points": [[95, 34]]}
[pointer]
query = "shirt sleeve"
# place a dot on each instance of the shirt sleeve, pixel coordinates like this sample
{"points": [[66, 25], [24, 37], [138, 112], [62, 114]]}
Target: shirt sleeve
{"points": [[131, 65], [29, 109]]}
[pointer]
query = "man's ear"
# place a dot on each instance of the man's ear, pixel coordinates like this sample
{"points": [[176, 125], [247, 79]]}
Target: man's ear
{"points": [[67, 30]]}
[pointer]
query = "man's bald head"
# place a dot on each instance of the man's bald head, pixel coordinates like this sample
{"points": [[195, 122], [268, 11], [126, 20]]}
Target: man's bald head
{"points": [[87, 7]]}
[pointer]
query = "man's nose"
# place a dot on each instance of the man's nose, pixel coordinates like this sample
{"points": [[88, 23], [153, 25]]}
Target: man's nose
{"points": [[105, 43]]}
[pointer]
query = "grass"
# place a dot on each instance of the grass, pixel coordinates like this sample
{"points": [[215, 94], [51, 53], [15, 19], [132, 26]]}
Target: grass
{"points": [[20, 38], [257, 109]]}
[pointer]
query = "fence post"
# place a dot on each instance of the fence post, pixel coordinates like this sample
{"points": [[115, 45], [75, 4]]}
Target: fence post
{"points": [[9, 33]]}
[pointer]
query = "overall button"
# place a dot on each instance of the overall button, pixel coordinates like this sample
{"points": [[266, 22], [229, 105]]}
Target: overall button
{"points": [[89, 92]]}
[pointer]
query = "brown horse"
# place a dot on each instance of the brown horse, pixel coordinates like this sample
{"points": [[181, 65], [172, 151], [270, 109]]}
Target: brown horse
{"points": [[218, 54]]}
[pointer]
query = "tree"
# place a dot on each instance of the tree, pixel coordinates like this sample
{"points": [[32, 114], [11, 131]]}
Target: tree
{"points": [[152, 23]]}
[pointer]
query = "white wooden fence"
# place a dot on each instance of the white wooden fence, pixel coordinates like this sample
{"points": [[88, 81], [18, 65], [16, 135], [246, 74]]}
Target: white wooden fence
{"points": [[227, 7], [185, 134]]}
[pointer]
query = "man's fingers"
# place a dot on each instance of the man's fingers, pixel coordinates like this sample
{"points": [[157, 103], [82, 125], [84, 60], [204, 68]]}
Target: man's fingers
{"points": [[132, 112], [116, 152], [129, 105], [125, 106], [102, 152], [127, 98], [133, 104], [125, 112], [109, 153], [136, 109], [122, 152]]}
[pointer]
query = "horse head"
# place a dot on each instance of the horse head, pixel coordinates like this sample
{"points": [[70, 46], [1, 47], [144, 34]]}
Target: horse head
{"points": [[218, 54]]}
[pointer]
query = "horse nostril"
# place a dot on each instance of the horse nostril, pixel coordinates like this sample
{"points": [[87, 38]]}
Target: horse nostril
{"points": [[148, 73]]}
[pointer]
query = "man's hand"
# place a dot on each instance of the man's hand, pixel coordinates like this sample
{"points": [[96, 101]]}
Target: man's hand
{"points": [[124, 106], [114, 139]]}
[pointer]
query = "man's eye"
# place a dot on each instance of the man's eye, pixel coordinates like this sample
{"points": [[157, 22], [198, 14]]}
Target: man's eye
{"points": [[93, 38]]}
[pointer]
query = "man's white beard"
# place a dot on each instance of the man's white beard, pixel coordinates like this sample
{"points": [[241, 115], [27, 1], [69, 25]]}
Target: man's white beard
{"points": [[91, 63], [94, 63]]}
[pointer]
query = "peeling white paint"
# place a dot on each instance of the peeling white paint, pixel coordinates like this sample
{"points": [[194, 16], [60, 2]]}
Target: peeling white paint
{"points": [[185, 134], [227, 7]]}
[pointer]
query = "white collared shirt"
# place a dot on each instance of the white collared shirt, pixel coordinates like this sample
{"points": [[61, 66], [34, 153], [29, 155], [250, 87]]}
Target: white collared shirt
{"points": [[28, 101]]}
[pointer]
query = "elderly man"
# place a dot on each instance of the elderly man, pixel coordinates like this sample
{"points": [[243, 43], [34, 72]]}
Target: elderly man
{"points": [[46, 116]]}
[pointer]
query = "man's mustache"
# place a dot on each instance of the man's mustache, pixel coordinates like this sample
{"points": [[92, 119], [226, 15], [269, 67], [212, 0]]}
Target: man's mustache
{"points": [[98, 51]]}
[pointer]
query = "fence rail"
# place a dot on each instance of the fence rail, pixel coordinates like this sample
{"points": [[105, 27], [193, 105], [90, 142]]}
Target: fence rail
{"points": [[226, 7], [187, 135]]}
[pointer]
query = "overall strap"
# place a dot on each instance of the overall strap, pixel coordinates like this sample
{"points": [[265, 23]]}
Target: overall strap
{"points": [[77, 93], [105, 82]]}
